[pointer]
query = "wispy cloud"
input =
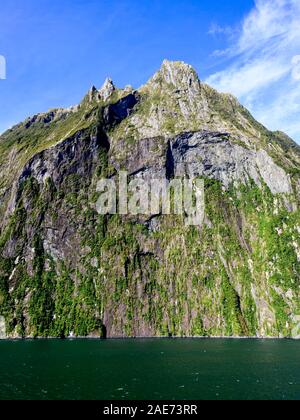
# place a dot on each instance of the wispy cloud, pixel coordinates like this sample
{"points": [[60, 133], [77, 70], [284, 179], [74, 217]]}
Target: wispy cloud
{"points": [[216, 29], [264, 64], [2, 67]]}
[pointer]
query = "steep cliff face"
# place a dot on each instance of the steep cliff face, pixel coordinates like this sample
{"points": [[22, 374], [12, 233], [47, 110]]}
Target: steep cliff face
{"points": [[66, 270]]}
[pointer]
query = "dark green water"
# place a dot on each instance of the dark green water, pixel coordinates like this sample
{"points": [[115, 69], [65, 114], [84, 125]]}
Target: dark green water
{"points": [[150, 369]]}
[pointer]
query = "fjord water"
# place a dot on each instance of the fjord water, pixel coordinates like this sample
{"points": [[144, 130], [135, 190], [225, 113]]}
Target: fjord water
{"points": [[150, 369]]}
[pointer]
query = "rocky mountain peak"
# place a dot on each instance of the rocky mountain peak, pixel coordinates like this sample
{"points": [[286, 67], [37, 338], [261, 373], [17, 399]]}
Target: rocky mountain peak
{"points": [[177, 75], [107, 89]]}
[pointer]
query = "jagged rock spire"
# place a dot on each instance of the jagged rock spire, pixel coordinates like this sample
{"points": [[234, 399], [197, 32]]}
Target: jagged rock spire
{"points": [[107, 89], [102, 94], [93, 93]]}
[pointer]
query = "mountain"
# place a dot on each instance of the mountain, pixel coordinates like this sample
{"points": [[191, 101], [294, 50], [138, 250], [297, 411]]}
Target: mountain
{"points": [[65, 270]]}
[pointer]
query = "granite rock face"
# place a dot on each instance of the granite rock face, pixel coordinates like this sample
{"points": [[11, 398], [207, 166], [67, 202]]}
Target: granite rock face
{"points": [[66, 270], [214, 155]]}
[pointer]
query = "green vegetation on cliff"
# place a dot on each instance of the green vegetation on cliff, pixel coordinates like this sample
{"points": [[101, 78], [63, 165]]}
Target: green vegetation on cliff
{"points": [[65, 270]]}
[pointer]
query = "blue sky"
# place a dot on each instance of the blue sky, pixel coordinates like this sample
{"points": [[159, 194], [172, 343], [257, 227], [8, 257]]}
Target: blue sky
{"points": [[55, 50]]}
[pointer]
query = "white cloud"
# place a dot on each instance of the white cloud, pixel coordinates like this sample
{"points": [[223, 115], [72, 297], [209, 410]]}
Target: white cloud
{"points": [[247, 78], [216, 29], [2, 67], [296, 67], [264, 69]]}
